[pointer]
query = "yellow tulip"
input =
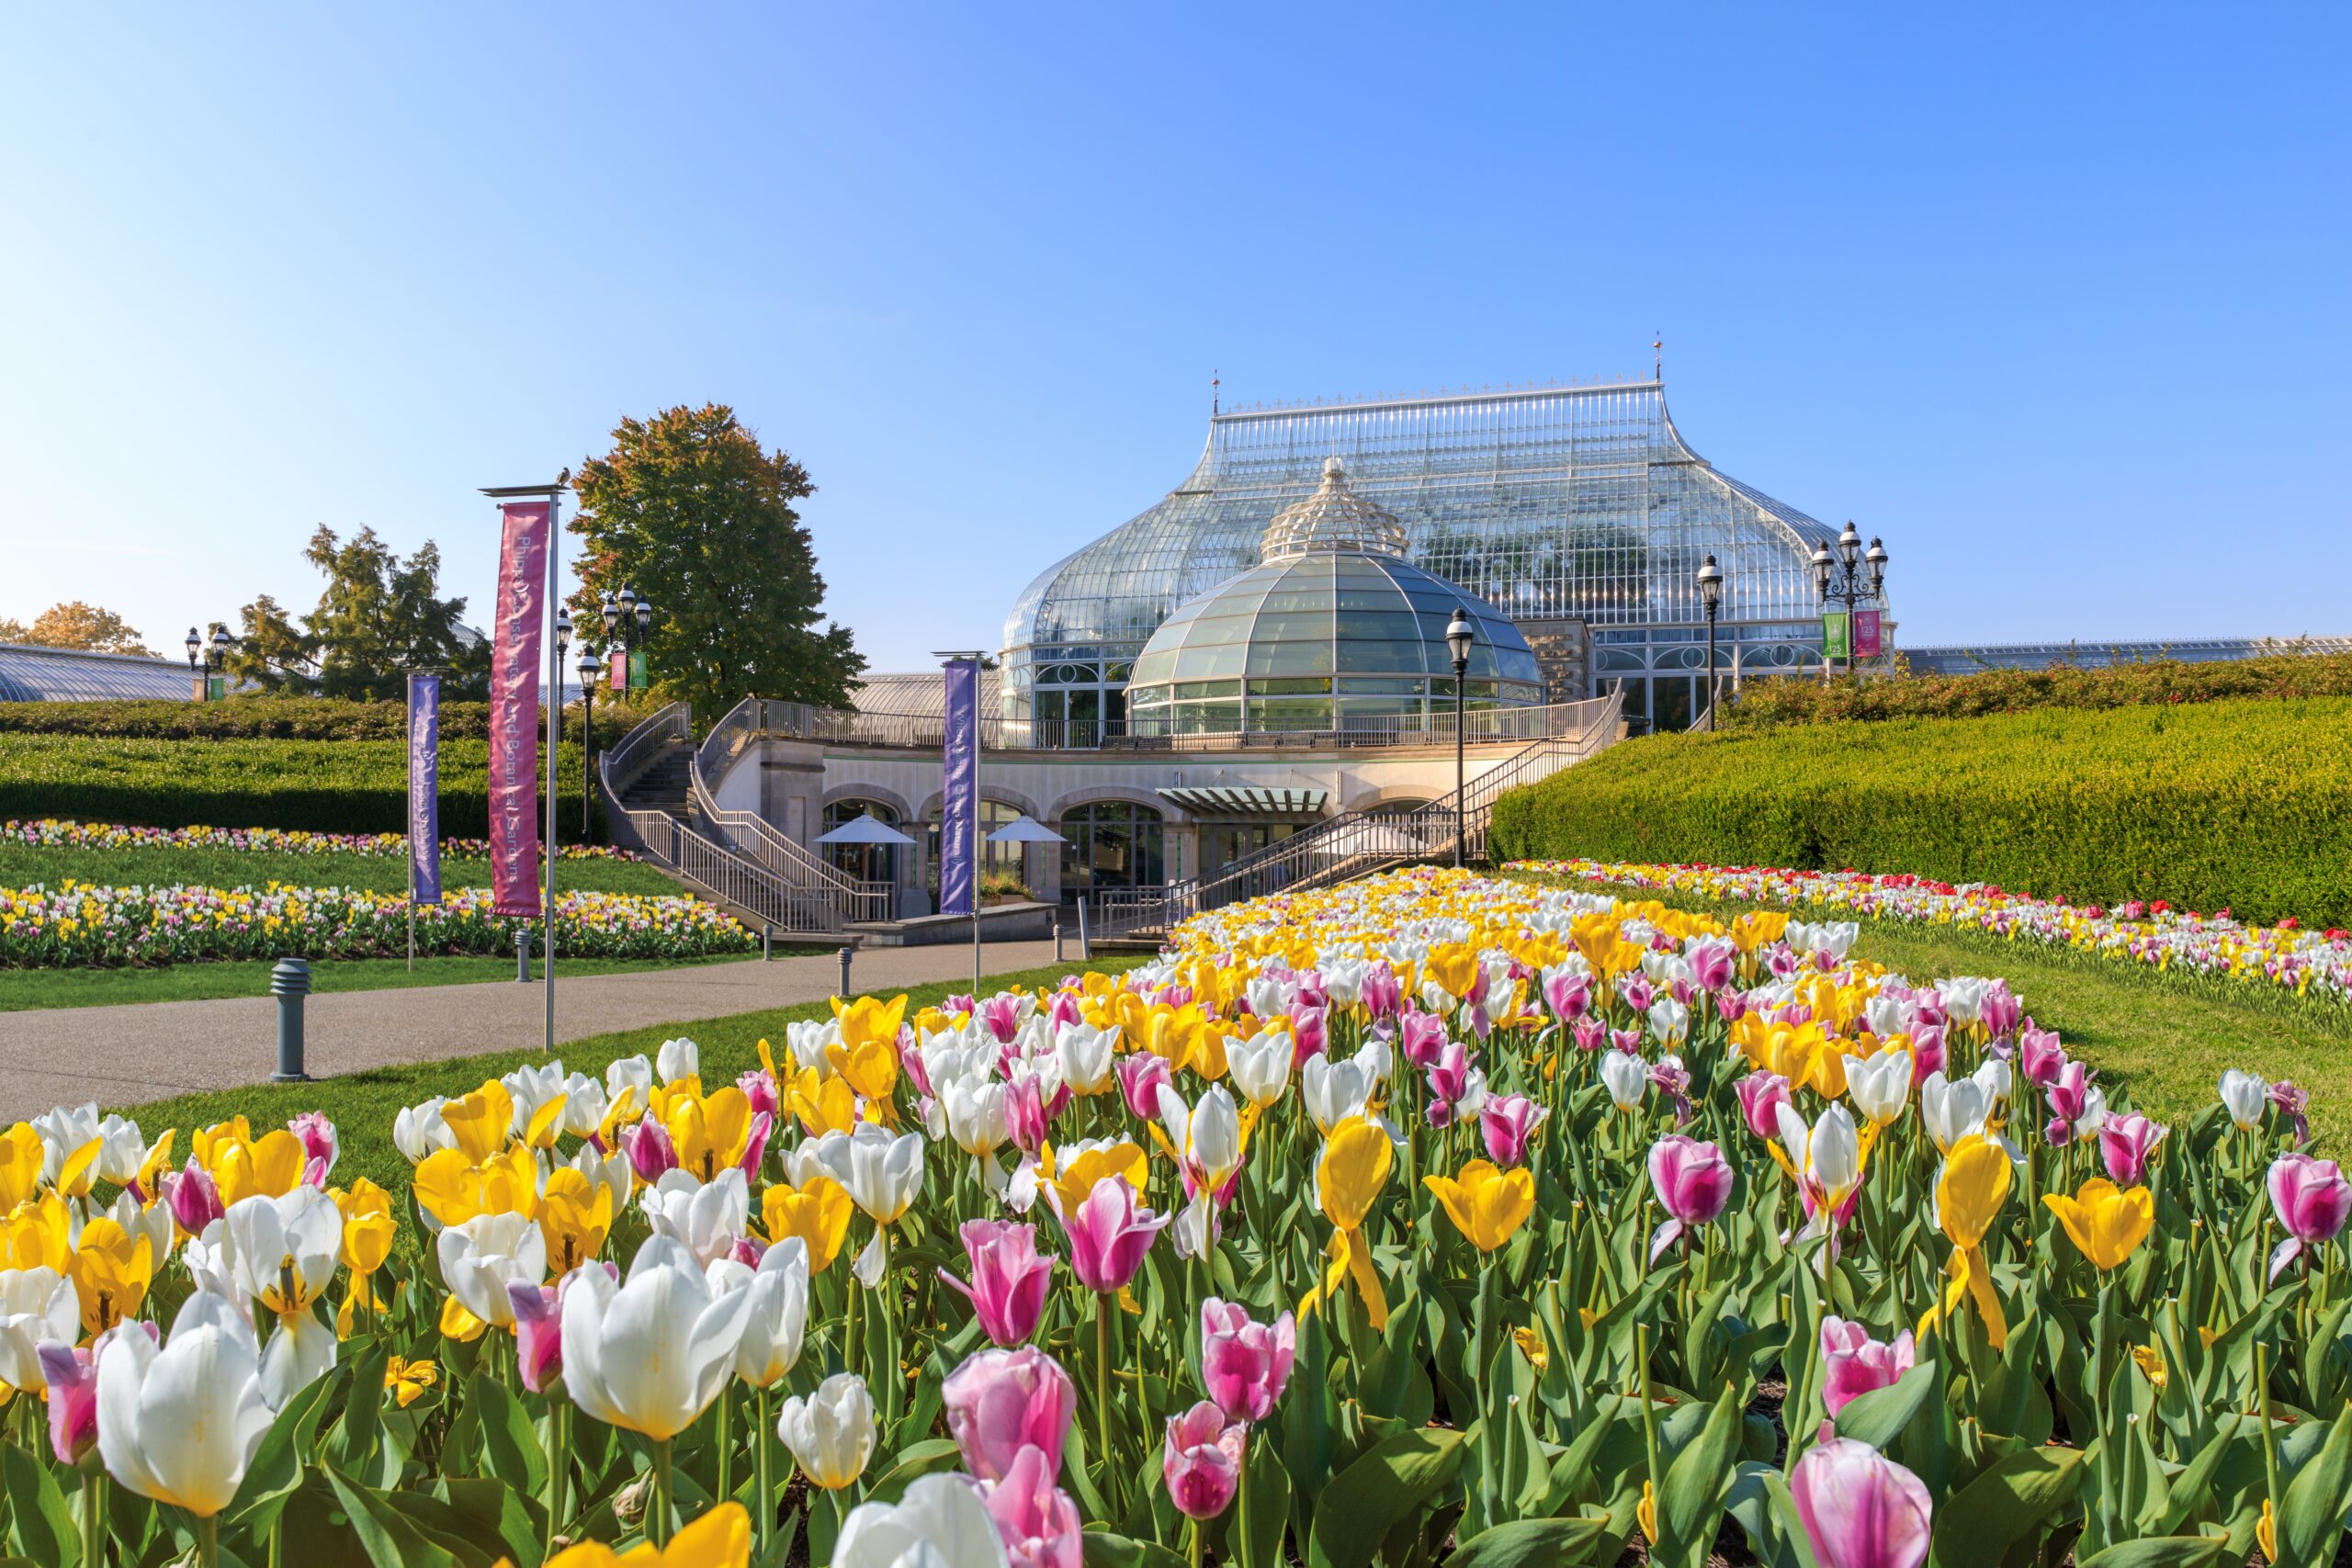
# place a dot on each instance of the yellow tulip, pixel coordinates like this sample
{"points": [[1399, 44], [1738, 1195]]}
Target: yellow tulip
{"points": [[817, 1213], [1486, 1205], [1969, 1195], [112, 1270], [1349, 1176], [480, 1121], [404, 1380], [21, 1158], [368, 1226], [269, 1166], [709, 1131], [37, 1234], [575, 1216], [2108, 1222]]}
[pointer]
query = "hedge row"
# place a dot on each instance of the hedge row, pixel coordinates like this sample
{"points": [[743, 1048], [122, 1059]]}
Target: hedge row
{"points": [[2243, 805], [326, 787], [274, 719], [2163, 682]]}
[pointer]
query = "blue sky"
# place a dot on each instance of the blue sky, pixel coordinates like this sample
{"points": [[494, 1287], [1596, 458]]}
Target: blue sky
{"points": [[2052, 298]]}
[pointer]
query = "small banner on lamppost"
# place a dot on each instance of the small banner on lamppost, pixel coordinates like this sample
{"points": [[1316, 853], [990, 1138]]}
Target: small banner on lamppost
{"points": [[424, 788], [959, 800], [1866, 634], [1833, 634], [515, 710]]}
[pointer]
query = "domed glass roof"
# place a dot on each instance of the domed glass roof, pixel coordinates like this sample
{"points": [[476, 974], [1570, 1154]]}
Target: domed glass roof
{"points": [[1320, 637]]}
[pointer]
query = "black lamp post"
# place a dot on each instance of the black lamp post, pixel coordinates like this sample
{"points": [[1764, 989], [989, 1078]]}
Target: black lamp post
{"points": [[1846, 580], [588, 666], [1459, 635], [1710, 593], [213, 654]]}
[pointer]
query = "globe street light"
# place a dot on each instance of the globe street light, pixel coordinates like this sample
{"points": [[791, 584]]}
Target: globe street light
{"points": [[1710, 593], [1459, 635]]}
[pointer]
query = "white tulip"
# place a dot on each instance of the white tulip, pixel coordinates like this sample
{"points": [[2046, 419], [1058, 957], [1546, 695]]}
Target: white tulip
{"points": [[35, 1304], [882, 1174], [678, 1059], [940, 1522], [708, 1220], [2245, 1097], [479, 1259], [1261, 1066], [778, 1318], [1207, 1136], [180, 1424], [651, 1353], [831, 1434], [419, 1130], [1625, 1077], [1087, 1054], [1880, 1086]]}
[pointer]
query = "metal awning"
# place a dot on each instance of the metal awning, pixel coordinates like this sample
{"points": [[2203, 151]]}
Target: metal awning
{"points": [[1247, 801]]}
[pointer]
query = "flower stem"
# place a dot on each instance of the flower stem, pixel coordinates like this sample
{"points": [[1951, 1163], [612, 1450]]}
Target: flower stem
{"points": [[657, 1516]]}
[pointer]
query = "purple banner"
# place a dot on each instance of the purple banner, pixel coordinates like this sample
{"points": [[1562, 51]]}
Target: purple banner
{"points": [[424, 788], [515, 710], [959, 803]]}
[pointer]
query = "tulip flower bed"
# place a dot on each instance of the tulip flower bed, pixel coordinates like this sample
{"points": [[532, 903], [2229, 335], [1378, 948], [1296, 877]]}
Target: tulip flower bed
{"points": [[76, 925], [1432, 1219], [2284, 958], [63, 833]]}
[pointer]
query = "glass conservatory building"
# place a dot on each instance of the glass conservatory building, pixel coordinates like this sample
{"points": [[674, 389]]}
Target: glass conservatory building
{"points": [[1579, 512]]}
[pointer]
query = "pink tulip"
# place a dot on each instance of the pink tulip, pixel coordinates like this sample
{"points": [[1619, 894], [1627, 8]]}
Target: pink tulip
{"points": [[1000, 1401], [651, 1152], [1569, 996], [194, 1201], [1421, 1036], [1383, 993], [1693, 1183], [1109, 1234], [321, 1146], [1507, 1121], [2125, 1143], [2040, 1057], [1244, 1364], [1035, 1519], [1009, 1278], [2312, 1199], [1761, 1095], [1853, 1363], [1202, 1463], [1860, 1508], [72, 1374], [1141, 1076]]}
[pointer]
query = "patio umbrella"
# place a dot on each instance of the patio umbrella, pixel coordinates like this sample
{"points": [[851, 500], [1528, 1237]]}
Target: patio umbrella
{"points": [[866, 829]]}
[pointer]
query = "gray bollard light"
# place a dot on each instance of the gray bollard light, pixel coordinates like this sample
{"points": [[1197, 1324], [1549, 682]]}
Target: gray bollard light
{"points": [[844, 990], [289, 981], [523, 953]]}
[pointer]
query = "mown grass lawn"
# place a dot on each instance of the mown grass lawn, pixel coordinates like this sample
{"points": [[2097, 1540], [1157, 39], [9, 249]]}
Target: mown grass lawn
{"points": [[23, 864], [363, 1104], [2164, 1040], [25, 990]]}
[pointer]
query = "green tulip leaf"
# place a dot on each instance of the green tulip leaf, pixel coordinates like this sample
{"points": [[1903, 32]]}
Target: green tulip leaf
{"points": [[1527, 1543], [1395, 1478], [2161, 1551]]}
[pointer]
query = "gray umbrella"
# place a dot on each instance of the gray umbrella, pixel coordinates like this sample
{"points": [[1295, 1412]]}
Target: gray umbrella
{"points": [[866, 829]]}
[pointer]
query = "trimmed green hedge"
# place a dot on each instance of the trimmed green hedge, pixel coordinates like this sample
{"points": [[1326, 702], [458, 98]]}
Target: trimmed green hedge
{"points": [[2244, 804], [327, 787]]}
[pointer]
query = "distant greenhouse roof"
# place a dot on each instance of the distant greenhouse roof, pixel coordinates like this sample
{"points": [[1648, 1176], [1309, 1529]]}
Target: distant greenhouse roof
{"points": [[31, 674]]}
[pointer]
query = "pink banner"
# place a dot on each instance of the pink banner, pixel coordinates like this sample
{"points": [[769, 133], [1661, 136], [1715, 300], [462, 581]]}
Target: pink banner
{"points": [[515, 710]]}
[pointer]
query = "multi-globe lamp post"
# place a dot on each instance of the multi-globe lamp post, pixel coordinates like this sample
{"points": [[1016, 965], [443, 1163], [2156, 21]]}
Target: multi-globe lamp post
{"points": [[1710, 595], [1843, 581], [214, 655], [1459, 637]]}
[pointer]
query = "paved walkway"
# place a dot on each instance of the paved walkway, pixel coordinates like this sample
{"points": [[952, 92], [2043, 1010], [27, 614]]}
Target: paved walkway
{"points": [[123, 1055]]}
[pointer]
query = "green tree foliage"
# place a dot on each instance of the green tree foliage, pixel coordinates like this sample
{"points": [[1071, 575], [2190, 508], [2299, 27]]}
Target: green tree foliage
{"points": [[380, 616], [692, 511]]}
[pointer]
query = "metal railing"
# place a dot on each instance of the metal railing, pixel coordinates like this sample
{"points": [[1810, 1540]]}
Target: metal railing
{"points": [[1356, 842]]}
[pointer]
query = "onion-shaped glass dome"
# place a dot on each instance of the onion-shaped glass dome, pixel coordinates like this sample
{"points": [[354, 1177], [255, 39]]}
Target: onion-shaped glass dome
{"points": [[1336, 630]]}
